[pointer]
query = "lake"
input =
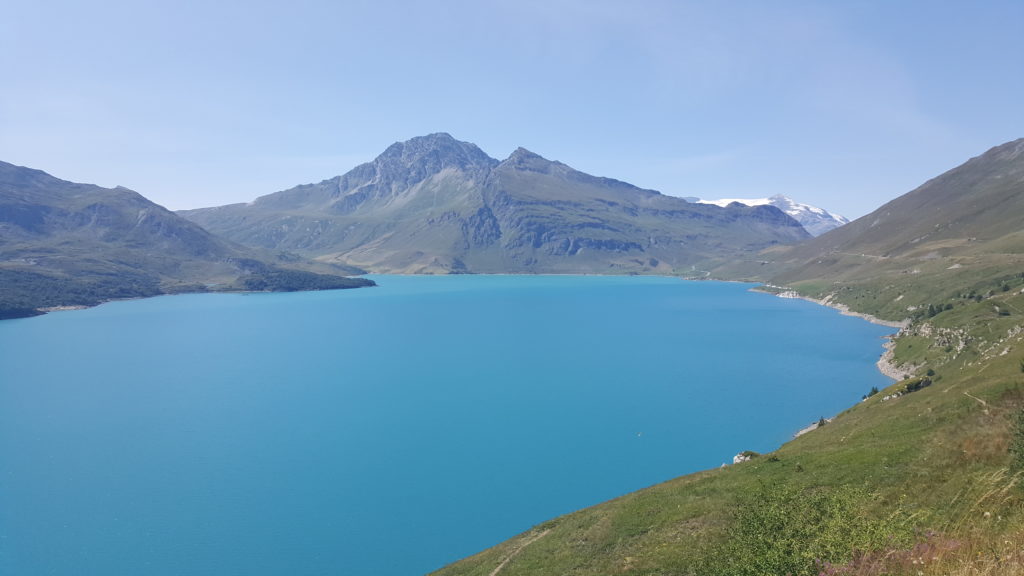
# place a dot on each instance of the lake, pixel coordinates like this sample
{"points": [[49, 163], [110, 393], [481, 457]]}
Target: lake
{"points": [[388, 430]]}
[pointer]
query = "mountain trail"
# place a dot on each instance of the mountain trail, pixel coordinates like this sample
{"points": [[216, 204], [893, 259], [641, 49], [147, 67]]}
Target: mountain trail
{"points": [[519, 549]]}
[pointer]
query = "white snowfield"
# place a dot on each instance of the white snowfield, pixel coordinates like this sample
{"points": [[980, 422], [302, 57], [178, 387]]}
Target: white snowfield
{"points": [[815, 220]]}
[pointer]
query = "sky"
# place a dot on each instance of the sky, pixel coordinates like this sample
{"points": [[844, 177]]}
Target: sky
{"points": [[844, 105]]}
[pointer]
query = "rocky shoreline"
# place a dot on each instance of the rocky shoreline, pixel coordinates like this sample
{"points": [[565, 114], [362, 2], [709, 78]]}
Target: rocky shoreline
{"points": [[885, 363], [843, 309]]}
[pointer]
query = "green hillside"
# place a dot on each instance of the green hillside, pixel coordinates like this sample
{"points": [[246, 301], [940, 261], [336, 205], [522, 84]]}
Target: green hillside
{"points": [[960, 231], [919, 479]]}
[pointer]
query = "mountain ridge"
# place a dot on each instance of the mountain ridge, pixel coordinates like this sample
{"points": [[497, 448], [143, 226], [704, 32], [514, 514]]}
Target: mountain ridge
{"points": [[433, 204], [70, 244], [964, 223]]}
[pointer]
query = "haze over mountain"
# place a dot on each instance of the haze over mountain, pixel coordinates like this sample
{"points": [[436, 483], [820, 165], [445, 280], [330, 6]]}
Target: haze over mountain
{"points": [[434, 204], [815, 220], [69, 244]]}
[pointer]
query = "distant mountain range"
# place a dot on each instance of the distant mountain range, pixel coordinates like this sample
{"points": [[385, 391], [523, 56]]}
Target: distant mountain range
{"points": [[815, 220], [68, 244], [434, 204]]}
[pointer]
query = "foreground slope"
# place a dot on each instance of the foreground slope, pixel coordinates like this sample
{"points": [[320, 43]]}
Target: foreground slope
{"points": [[434, 204], [920, 479], [69, 244]]}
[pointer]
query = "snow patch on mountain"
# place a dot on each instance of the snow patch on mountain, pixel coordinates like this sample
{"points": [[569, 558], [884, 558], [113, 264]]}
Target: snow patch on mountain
{"points": [[815, 220]]}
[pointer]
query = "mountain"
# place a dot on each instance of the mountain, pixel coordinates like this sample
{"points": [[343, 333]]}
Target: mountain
{"points": [[815, 220], [962, 227], [69, 244], [434, 204]]}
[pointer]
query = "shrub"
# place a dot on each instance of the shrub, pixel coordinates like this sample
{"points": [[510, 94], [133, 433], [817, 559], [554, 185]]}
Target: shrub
{"points": [[782, 530], [915, 385]]}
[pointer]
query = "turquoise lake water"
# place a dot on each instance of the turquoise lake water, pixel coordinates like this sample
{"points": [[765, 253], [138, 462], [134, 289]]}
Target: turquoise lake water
{"points": [[388, 430]]}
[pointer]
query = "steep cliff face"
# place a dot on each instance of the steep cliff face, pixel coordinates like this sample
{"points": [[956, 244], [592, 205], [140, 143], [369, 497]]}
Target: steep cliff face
{"points": [[434, 204]]}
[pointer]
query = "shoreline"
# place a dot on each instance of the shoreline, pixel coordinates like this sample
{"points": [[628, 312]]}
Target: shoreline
{"points": [[812, 427], [885, 363], [65, 308], [842, 308]]}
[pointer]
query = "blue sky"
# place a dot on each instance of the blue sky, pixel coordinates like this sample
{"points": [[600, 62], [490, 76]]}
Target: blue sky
{"points": [[845, 105]]}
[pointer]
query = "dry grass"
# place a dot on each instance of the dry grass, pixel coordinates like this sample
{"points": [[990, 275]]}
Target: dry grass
{"points": [[943, 556], [977, 543]]}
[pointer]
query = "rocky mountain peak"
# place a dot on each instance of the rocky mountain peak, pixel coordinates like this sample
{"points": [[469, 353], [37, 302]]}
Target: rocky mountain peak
{"points": [[523, 159], [435, 204], [433, 153], [521, 153]]}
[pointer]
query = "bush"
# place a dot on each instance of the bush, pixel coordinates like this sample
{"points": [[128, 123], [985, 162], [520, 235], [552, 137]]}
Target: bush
{"points": [[781, 530], [915, 385]]}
